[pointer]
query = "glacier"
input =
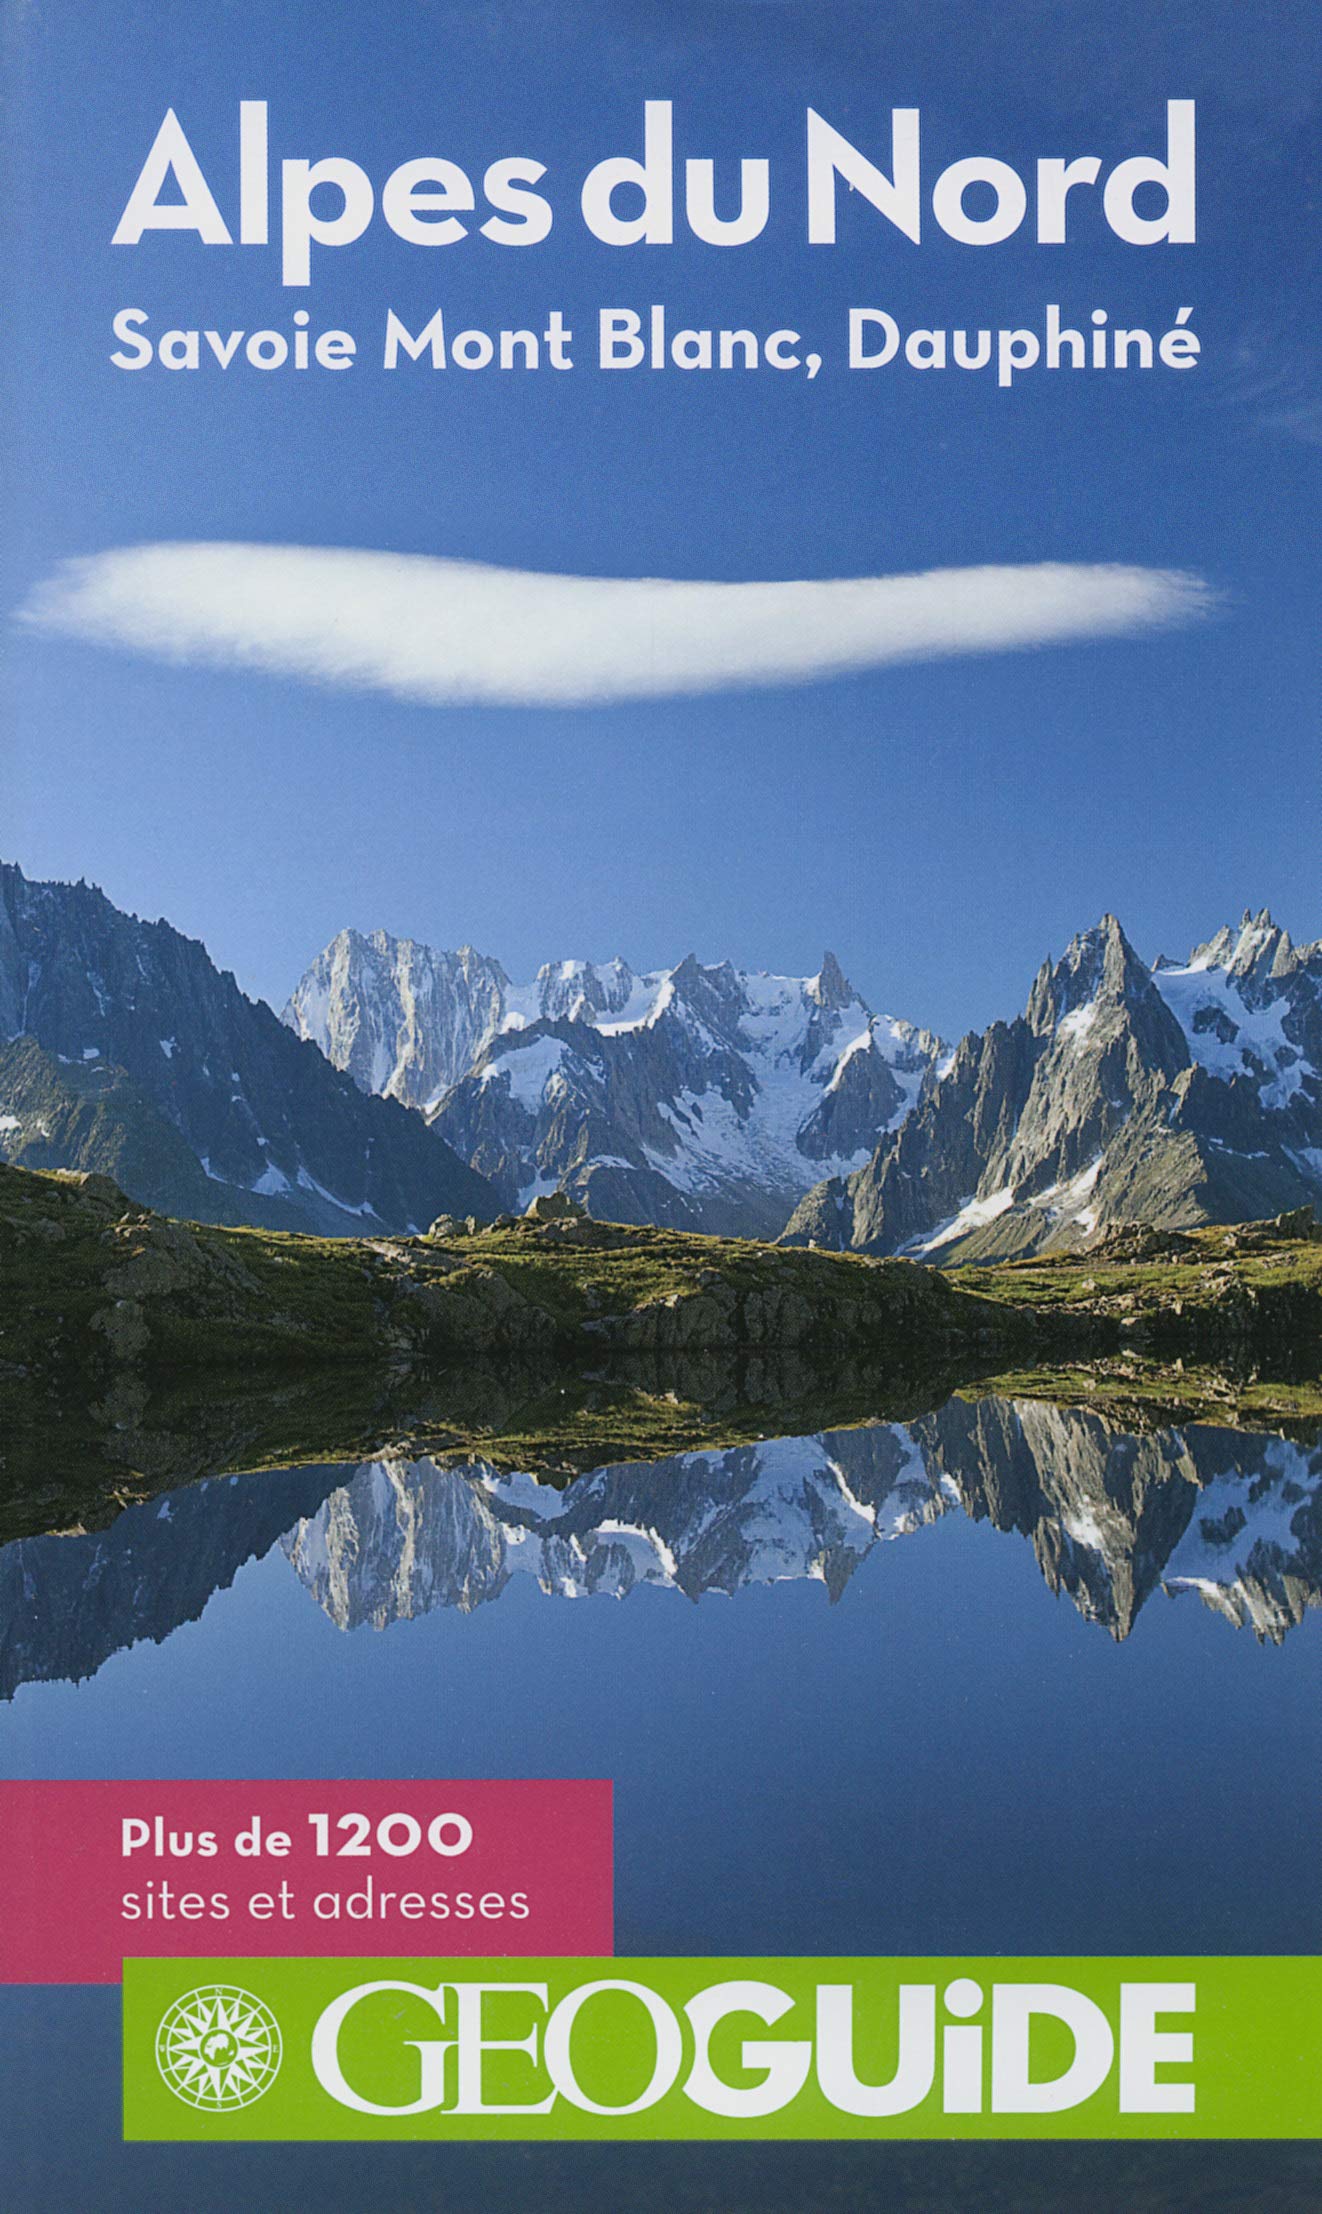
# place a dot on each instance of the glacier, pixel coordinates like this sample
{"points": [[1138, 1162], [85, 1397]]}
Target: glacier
{"points": [[703, 1096]]}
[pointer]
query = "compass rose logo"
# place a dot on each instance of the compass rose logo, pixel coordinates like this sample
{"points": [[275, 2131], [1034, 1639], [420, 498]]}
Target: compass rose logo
{"points": [[218, 2048]]}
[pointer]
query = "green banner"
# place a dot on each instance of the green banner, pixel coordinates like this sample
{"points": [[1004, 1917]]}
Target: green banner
{"points": [[1201, 2047]]}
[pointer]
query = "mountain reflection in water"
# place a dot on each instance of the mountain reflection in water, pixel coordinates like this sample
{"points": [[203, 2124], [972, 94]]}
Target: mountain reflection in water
{"points": [[1112, 1517]]}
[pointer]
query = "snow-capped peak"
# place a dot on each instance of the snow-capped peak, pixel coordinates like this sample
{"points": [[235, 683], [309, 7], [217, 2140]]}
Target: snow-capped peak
{"points": [[732, 1089], [1250, 1005]]}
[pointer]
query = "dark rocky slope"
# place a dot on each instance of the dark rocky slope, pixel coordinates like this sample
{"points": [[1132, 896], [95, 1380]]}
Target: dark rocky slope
{"points": [[131, 1054]]}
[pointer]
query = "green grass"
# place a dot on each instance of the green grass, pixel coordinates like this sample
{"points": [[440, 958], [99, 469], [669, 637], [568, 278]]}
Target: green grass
{"points": [[1144, 1394], [208, 1297], [575, 1284], [1048, 1283], [283, 1348], [261, 1301]]}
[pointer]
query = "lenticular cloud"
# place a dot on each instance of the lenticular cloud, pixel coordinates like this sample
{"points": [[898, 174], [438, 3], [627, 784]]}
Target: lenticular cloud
{"points": [[450, 633]]}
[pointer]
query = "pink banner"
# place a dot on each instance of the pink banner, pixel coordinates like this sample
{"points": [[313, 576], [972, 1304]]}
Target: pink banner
{"points": [[90, 1872]]}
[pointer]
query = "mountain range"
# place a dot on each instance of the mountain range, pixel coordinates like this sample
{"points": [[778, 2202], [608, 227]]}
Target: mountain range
{"points": [[1113, 1517], [125, 1050], [699, 1097], [717, 1099], [404, 1082], [1176, 1094]]}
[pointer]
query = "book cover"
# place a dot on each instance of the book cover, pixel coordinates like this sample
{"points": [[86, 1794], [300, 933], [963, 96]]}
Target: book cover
{"points": [[660, 1107]]}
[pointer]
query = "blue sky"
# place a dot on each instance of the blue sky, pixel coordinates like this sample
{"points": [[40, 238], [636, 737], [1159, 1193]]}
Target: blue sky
{"points": [[942, 826]]}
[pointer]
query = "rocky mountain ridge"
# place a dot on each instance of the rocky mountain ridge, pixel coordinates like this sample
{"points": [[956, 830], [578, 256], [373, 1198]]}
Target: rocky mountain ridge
{"points": [[125, 1051], [700, 1097], [1170, 1095]]}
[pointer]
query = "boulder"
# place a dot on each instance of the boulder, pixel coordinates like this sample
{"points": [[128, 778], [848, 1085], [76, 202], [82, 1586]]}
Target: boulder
{"points": [[555, 1207], [446, 1227], [1299, 1222]]}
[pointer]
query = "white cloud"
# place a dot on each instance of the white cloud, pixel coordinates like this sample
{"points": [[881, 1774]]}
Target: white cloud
{"points": [[455, 632]]}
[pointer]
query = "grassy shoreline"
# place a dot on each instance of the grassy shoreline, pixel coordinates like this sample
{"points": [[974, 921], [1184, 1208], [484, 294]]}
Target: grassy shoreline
{"points": [[135, 1351], [96, 1286]]}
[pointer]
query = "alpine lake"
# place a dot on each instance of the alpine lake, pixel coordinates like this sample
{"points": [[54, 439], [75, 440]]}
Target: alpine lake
{"points": [[877, 1665]]}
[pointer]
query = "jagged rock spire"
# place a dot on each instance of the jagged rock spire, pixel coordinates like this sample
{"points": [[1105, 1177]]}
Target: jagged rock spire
{"points": [[831, 987]]}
